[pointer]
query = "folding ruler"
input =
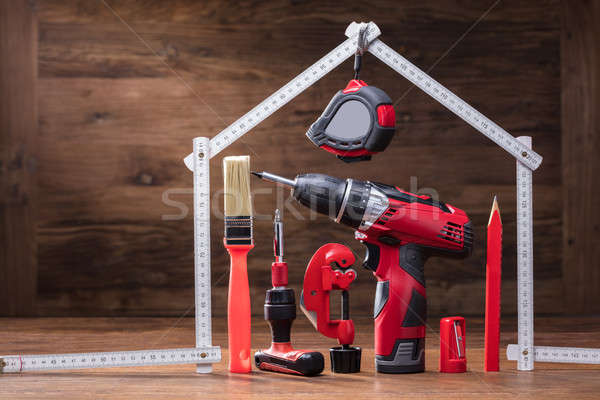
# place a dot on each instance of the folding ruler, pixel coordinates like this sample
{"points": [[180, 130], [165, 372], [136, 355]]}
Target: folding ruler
{"points": [[574, 355], [399, 64], [208, 354], [204, 354], [527, 159], [524, 264], [525, 353], [204, 149]]}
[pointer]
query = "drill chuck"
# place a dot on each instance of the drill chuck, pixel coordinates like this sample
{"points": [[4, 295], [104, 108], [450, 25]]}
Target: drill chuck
{"points": [[343, 200]]}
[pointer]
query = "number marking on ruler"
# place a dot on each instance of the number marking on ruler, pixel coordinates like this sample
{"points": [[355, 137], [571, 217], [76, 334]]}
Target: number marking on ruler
{"points": [[525, 262], [289, 91], [455, 104], [201, 170], [575, 355], [12, 364]]}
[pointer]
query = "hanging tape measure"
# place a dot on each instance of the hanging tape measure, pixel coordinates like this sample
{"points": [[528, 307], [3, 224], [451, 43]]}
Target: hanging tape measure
{"points": [[289, 91], [358, 122]]}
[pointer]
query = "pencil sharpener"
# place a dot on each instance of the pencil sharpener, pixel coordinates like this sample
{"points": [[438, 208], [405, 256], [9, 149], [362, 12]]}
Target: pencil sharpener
{"points": [[453, 347], [358, 122]]}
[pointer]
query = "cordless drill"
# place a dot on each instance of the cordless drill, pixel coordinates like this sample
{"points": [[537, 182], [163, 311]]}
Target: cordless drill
{"points": [[280, 312], [400, 230]]}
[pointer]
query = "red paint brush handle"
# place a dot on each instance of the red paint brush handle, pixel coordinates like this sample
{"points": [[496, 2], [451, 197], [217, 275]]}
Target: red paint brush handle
{"points": [[238, 310]]}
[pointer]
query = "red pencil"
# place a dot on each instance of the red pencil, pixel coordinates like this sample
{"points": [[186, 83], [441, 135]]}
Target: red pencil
{"points": [[492, 289]]}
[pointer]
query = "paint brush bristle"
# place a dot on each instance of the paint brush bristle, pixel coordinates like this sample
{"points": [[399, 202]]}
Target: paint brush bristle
{"points": [[236, 173], [238, 202]]}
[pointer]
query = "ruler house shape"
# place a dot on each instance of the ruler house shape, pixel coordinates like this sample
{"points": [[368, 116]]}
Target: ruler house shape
{"points": [[520, 148], [204, 354]]}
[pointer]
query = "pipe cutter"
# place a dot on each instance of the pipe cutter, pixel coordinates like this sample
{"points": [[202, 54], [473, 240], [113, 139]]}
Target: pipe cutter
{"points": [[320, 279]]}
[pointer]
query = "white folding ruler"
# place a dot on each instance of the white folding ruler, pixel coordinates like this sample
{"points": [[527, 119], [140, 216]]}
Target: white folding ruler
{"points": [[525, 263], [527, 159], [201, 160], [525, 353], [43, 362], [574, 355], [397, 63], [455, 104], [204, 354]]}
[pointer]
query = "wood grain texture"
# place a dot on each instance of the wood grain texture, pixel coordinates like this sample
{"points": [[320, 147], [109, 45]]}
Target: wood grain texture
{"points": [[18, 133], [50, 335], [580, 147], [115, 122]]}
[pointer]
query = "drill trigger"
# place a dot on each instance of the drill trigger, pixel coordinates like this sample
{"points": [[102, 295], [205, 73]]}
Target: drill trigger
{"points": [[371, 261]]}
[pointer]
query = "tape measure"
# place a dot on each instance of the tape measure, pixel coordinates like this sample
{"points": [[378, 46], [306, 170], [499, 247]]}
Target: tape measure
{"points": [[525, 262], [574, 355], [14, 364], [359, 121], [289, 91]]}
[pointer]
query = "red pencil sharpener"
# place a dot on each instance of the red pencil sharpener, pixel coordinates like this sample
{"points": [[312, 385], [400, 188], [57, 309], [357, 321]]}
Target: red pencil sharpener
{"points": [[453, 346]]}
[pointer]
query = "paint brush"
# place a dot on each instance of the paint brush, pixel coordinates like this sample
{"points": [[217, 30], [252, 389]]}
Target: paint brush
{"points": [[238, 242]]}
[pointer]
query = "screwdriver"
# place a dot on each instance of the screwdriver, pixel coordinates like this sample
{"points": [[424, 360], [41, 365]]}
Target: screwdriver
{"points": [[280, 312]]}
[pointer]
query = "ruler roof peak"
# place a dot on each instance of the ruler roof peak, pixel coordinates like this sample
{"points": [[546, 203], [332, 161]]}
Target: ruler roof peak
{"points": [[370, 33]]}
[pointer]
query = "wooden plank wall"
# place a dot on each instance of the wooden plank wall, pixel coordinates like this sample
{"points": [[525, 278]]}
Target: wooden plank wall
{"points": [[18, 133], [115, 121], [580, 64]]}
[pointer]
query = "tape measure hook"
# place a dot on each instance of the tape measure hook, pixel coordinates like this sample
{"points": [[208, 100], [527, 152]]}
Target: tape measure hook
{"points": [[362, 43]]}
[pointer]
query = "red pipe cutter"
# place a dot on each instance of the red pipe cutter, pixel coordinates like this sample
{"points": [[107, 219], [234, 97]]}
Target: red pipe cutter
{"points": [[320, 279]]}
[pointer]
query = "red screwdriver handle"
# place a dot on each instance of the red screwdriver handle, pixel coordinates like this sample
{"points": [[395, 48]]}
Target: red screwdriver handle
{"points": [[282, 357]]}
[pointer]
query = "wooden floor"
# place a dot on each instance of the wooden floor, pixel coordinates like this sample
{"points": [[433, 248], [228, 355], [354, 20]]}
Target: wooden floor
{"points": [[29, 336]]}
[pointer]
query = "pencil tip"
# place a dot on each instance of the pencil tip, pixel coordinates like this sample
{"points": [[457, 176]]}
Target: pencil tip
{"points": [[495, 207]]}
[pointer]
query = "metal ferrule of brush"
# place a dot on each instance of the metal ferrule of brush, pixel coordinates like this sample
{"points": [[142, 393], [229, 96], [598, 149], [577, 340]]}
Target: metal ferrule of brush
{"points": [[238, 230]]}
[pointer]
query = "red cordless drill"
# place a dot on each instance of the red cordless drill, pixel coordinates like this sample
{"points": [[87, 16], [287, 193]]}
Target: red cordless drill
{"points": [[400, 230], [280, 312]]}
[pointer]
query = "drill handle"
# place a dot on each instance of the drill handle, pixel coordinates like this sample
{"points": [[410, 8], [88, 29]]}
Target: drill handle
{"points": [[400, 308]]}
